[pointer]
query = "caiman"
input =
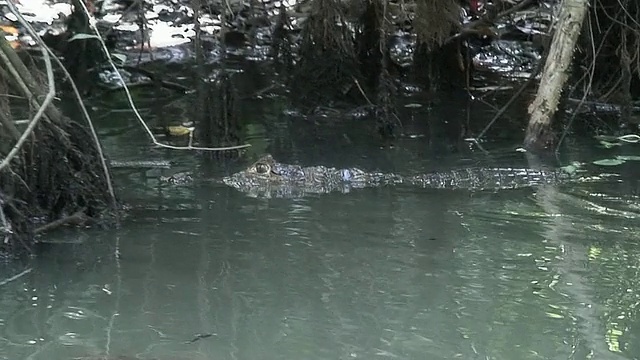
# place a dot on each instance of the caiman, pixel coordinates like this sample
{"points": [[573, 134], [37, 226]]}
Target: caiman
{"points": [[269, 178]]}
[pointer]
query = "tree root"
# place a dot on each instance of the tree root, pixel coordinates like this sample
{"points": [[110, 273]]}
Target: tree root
{"points": [[78, 218]]}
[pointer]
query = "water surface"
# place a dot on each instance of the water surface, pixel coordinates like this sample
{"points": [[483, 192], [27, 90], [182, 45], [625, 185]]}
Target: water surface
{"points": [[204, 272]]}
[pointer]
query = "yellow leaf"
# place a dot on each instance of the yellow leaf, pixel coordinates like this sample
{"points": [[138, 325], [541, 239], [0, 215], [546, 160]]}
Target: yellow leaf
{"points": [[9, 29], [178, 130]]}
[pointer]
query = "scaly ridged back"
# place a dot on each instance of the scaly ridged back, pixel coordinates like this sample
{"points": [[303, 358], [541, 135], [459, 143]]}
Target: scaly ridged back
{"points": [[488, 178]]}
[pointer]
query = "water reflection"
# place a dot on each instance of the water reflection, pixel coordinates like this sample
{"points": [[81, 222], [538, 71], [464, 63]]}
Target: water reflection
{"points": [[376, 274]]}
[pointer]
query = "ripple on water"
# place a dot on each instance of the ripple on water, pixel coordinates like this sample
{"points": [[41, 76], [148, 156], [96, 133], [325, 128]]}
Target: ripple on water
{"points": [[379, 273]]}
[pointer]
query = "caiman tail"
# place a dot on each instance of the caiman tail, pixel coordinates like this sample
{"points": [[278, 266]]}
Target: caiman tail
{"points": [[477, 179]]}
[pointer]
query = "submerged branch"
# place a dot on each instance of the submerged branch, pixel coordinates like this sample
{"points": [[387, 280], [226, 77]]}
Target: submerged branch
{"points": [[15, 277], [77, 218]]}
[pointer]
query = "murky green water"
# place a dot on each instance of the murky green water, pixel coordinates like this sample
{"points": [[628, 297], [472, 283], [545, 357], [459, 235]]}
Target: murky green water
{"points": [[389, 273]]}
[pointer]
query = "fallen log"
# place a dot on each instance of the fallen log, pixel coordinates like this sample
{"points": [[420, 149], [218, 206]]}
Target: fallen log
{"points": [[554, 74]]}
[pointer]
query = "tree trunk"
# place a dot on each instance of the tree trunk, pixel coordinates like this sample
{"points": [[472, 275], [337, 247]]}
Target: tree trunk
{"points": [[554, 75]]}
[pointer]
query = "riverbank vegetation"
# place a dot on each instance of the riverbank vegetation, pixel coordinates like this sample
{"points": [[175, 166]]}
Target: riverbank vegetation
{"points": [[52, 171]]}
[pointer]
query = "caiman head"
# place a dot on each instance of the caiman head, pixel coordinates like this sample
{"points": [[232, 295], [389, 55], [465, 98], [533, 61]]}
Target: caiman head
{"points": [[259, 179], [268, 178]]}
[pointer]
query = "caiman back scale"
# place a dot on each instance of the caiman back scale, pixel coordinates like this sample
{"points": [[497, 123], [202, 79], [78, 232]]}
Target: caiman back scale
{"points": [[269, 178]]}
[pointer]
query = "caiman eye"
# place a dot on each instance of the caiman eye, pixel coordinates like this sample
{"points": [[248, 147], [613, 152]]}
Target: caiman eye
{"points": [[263, 168]]}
